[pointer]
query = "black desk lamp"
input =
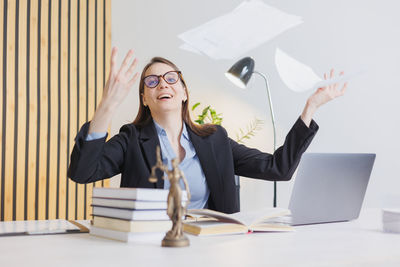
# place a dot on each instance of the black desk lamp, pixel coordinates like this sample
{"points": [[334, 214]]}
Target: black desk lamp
{"points": [[240, 74]]}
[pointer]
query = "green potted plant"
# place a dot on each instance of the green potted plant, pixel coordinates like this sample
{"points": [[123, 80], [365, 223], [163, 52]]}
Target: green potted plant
{"points": [[209, 115]]}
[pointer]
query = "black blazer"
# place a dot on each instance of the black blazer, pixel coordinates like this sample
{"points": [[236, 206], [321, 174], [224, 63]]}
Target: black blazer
{"points": [[132, 153]]}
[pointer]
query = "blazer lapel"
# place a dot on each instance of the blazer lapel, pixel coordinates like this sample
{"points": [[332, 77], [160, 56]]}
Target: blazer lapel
{"points": [[149, 142], [206, 155]]}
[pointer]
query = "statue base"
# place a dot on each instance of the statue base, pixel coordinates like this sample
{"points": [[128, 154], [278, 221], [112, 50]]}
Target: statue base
{"points": [[183, 241]]}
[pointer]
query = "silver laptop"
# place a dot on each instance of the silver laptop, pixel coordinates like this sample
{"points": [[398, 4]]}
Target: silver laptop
{"points": [[330, 187]]}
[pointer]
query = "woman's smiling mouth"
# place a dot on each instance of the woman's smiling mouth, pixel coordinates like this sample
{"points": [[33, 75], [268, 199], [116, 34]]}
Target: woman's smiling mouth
{"points": [[164, 97]]}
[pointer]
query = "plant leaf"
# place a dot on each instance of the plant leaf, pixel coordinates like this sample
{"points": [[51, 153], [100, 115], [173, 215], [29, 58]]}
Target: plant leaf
{"points": [[195, 105], [253, 126]]}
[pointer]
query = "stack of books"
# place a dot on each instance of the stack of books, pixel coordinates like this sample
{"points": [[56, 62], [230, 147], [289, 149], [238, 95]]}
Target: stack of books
{"points": [[127, 214]]}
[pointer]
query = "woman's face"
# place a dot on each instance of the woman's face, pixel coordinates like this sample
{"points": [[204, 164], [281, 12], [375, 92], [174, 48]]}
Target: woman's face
{"points": [[163, 97]]}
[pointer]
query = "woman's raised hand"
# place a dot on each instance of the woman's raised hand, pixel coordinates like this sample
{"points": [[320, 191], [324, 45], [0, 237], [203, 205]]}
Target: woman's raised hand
{"points": [[328, 93], [120, 80], [322, 96], [116, 89]]}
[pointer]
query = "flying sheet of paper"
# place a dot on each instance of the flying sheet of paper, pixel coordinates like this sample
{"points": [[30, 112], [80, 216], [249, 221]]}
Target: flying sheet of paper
{"points": [[189, 48], [300, 77], [249, 25]]}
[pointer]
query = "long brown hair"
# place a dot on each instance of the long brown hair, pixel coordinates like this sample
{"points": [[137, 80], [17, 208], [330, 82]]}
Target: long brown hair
{"points": [[144, 116]]}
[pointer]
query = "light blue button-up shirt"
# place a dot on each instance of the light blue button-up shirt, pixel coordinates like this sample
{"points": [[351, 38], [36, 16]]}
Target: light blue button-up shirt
{"points": [[190, 165]]}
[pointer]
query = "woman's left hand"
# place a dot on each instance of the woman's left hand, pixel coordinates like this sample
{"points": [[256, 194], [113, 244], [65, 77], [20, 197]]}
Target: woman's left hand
{"points": [[322, 96], [328, 93]]}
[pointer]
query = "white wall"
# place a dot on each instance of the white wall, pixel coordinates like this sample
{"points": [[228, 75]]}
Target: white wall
{"points": [[347, 35]]}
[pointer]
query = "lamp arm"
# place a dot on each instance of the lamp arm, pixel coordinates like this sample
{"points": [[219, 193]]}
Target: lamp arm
{"points": [[271, 109]]}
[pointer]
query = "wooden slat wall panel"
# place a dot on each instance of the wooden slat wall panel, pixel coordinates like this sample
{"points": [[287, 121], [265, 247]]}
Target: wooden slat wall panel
{"points": [[82, 117], [74, 108], [22, 104], [53, 66], [33, 109], [9, 112], [1, 101], [61, 78], [43, 110], [54, 58], [99, 49]]}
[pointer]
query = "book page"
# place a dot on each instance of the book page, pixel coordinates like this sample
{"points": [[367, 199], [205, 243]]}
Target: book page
{"points": [[250, 218], [245, 218], [222, 217]]}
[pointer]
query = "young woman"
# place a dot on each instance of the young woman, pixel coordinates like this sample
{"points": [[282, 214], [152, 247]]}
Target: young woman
{"points": [[207, 156]]}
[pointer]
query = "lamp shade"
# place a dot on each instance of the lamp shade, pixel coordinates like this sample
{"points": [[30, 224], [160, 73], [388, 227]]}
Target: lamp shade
{"points": [[240, 73]]}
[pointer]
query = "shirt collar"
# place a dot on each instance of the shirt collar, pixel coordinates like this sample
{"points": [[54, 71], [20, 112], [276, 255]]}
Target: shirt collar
{"points": [[185, 132], [160, 130]]}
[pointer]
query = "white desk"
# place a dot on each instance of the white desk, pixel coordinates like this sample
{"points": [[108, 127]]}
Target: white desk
{"points": [[357, 243]]}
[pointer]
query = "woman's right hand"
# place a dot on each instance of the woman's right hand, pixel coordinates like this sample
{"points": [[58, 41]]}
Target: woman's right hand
{"points": [[115, 91], [119, 81]]}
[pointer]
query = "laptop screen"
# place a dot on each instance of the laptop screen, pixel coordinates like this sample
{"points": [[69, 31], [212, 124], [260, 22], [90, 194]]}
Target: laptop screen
{"points": [[330, 187]]}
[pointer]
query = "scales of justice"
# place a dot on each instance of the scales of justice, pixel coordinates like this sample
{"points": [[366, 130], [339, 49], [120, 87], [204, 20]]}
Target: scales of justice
{"points": [[174, 237]]}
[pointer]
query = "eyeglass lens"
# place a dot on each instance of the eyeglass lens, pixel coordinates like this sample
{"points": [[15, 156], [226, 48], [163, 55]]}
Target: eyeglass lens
{"points": [[170, 77]]}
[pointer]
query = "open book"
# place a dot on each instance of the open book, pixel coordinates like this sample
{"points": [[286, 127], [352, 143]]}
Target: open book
{"points": [[209, 222]]}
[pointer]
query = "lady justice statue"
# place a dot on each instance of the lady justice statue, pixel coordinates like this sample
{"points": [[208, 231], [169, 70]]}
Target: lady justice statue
{"points": [[174, 237]]}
